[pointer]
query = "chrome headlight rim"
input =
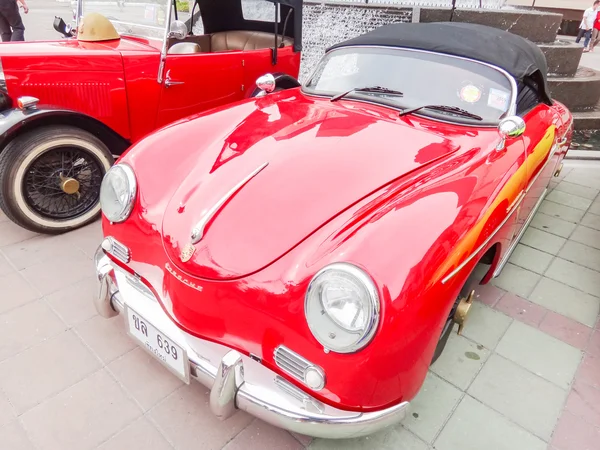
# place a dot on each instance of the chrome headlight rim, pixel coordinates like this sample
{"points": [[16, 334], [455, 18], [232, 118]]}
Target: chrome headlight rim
{"points": [[369, 286], [131, 192]]}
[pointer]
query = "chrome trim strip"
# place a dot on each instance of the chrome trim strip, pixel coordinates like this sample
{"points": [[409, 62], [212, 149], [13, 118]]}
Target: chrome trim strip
{"points": [[482, 246], [515, 242], [487, 241], [198, 230], [516, 201], [532, 182], [512, 110], [262, 393], [289, 388]]}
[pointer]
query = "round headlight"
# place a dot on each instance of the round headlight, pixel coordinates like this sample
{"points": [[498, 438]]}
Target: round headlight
{"points": [[117, 193], [342, 308]]}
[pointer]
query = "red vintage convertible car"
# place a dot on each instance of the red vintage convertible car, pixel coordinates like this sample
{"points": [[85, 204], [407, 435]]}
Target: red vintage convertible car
{"points": [[306, 253], [67, 107]]}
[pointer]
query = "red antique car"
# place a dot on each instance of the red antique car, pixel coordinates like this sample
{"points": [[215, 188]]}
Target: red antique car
{"points": [[306, 253], [67, 107]]}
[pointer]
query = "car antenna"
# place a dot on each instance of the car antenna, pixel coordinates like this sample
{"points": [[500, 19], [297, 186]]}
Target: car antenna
{"points": [[276, 34]]}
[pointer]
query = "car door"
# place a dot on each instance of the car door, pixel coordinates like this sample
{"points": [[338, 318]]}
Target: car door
{"points": [[196, 82], [541, 140]]}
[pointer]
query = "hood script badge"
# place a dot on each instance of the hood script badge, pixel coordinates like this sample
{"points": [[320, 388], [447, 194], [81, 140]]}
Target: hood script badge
{"points": [[187, 252]]}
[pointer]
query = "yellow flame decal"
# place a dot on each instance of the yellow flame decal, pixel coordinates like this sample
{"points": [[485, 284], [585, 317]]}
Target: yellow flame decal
{"points": [[509, 193]]}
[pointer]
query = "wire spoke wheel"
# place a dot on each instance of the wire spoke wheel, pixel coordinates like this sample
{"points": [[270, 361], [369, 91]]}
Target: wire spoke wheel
{"points": [[50, 178], [63, 183]]}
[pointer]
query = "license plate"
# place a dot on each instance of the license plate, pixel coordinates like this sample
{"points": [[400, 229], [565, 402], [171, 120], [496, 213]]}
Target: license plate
{"points": [[158, 344]]}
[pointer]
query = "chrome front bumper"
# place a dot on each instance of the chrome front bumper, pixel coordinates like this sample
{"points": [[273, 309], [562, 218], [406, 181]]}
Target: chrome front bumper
{"points": [[237, 381]]}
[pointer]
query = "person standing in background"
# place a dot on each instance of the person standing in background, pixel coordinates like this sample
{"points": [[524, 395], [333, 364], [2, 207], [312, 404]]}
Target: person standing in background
{"points": [[595, 33], [586, 26], [11, 24]]}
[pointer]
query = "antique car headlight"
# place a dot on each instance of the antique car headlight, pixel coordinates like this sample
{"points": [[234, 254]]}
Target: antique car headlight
{"points": [[117, 193], [342, 308]]}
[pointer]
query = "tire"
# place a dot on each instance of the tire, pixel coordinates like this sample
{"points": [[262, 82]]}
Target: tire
{"points": [[449, 325], [23, 198], [471, 284]]}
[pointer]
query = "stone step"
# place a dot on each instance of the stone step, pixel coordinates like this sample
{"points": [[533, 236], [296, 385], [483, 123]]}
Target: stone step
{"points": [[585, 145], [537, 26], [587, 120], [578, 93], [563, 57]]}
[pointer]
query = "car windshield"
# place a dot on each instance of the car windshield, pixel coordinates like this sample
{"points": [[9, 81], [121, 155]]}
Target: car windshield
{"points": [[147, 19], [423, 78]]}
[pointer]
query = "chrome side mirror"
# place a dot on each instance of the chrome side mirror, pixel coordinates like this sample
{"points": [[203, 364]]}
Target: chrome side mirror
{"points": [[266, 83], [178, 30], [510, 128]]}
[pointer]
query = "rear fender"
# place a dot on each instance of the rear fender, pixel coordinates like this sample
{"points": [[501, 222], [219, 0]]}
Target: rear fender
{"points": [[14, 122]]}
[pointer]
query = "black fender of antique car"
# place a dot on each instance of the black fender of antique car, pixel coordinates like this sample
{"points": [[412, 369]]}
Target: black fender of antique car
{"points": [[16, 121]]}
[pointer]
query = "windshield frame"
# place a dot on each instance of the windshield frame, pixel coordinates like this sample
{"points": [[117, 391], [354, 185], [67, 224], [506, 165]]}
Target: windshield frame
{"points": [[511, 111], [165, 35], [168, 3]]}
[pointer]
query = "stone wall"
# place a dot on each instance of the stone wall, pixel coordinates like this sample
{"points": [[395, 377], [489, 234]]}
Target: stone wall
{"points": [[328, 24], [494, 4]]}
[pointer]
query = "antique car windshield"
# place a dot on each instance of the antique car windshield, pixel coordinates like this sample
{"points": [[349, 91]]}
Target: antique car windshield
{"points": [[147, 19], [423, 78]]}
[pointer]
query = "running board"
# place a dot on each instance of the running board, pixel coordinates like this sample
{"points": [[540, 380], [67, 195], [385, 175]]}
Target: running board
{"points": [[512, 247]]}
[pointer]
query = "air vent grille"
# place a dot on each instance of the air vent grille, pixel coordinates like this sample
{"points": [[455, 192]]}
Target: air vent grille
{"points": [[291, 362], [119, 251]]}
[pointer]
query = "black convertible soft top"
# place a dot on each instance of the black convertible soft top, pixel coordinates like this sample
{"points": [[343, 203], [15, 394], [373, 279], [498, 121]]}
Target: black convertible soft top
{"points": [[516, 55]]}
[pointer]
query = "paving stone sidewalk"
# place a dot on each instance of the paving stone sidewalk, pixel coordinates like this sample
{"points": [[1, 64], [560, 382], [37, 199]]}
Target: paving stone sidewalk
{"points": [[524, 376]]}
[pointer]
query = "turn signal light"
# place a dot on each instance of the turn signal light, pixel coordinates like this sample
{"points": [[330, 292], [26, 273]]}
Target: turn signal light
{"points": [[27, 102]]}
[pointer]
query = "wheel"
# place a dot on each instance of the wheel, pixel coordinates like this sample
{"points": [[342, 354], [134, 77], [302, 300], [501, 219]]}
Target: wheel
{"points": [[458, 315], [461, 307], [50, 178]]}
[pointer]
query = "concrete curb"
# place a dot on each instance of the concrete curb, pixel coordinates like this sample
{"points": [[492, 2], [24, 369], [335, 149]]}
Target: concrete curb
{"points": [[587, 155]]}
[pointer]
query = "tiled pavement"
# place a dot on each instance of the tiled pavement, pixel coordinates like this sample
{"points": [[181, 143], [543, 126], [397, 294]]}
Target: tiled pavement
{"points": [[525, 375]]}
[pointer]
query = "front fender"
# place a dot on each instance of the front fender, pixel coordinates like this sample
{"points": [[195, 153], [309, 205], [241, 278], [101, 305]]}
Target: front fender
{"points": [[400, 235], [16, 121], [11, 120]]}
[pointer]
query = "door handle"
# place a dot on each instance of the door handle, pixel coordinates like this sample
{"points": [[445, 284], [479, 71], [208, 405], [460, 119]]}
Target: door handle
{"points": [[169, 82], [563, 141]]}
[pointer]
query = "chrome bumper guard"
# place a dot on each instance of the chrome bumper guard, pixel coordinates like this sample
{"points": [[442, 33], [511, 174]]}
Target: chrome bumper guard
{"points": [[235, 380]]}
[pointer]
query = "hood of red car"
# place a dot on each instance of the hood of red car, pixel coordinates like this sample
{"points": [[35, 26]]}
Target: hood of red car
{"points": [[287, 168], [69, 54]]}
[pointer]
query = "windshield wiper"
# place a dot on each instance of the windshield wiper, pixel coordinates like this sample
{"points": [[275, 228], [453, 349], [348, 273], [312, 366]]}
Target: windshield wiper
{"points": [[443, 108], [376, 89]]}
